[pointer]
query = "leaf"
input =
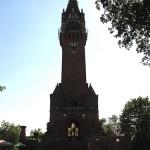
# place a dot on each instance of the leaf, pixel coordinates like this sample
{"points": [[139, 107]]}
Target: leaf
{"points": [[130, 20]]}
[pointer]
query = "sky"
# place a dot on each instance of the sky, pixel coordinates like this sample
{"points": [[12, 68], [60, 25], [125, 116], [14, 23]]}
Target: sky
{"points": [[30, 62]]}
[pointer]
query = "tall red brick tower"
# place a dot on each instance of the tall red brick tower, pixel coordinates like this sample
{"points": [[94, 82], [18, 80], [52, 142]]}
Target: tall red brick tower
{"points": [[73, 104], [74, 120]]}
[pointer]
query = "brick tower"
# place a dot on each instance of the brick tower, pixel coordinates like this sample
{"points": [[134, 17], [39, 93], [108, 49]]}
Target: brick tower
{"points": [[73, 104], [74, 120]]}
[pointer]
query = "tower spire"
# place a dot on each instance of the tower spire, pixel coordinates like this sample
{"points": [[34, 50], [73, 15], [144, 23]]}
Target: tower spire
{"points": [[72, 4]]}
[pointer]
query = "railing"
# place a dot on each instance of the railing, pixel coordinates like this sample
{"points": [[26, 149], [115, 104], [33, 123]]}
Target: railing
{"points": [[33, 138], [61, 31]]}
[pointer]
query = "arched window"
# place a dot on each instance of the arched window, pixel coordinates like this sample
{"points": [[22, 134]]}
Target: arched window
{"points": [[73, 130]]}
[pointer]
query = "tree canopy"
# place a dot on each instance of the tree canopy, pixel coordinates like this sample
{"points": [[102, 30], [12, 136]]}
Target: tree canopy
{"points": [[9, 132], [130, 23], [111, 126], [36, 133], [2, 88], [136, 116]]}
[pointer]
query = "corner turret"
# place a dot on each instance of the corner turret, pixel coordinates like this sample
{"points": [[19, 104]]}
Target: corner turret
{"points": [[22, 136]]}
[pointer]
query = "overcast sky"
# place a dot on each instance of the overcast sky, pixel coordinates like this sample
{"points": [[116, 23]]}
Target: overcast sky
{"points": [[30, 62]]}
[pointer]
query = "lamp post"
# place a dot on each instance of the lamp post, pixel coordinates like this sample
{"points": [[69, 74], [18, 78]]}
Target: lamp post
{"points": [[117, 142]]}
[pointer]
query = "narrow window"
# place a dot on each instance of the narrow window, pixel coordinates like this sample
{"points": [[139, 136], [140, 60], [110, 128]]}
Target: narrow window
{"points": [[73, 65], [74, 104], [77, 36], [73, 36], [92, 124], [69, 36], [56, 124]]}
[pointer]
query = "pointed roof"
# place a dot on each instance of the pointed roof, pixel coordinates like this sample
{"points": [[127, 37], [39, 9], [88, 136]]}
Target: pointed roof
{"points": [[91, 90], [57, 90], [72, 4]]}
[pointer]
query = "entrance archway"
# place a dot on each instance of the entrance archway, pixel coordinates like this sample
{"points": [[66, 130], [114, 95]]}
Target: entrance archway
{"points": [[73, 129]]}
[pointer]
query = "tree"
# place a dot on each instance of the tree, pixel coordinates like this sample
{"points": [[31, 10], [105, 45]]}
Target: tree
{"points": [[136, 116], [9, 132], [110, 127], [114, 123], [36, 133], [130, 22], [2, 88], [103, 126]]}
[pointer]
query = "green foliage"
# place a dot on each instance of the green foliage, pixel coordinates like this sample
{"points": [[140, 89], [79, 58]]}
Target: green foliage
{"points": [[130, 22], [108, 130], [36, 133], [9, 132], [2, 88], [114, 123], [136, 116], [110, 127]]}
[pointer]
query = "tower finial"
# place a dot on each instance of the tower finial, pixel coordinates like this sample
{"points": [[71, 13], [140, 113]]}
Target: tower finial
{"points": [[72, 4]]}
